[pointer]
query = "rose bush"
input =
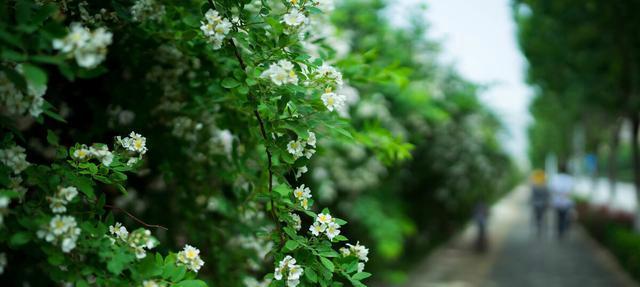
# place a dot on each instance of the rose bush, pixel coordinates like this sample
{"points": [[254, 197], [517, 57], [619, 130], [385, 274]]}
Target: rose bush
{"points": [[194, 143]]}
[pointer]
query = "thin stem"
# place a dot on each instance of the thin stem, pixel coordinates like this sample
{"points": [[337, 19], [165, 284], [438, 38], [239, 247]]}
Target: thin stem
{"points": [[134, 218], [263, 132]]}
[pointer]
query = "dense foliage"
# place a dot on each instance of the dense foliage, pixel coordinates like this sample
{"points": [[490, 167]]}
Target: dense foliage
{"points": [[584, 70], [219, 143]]}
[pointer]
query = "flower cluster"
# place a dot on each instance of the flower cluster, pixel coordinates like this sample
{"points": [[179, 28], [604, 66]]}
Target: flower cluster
{"points": [[58, 202], [98, 151], [17, 103], [298, 148], [325, 224], [332, 78], [89, 48], [302, 194], [359, 251], [287, 268], [329, 74], [61, 230], [190, 257], [297, 222], [215, 28], [15, 158], [281, 73], [133, 143], [139, 240], [147, 9]]}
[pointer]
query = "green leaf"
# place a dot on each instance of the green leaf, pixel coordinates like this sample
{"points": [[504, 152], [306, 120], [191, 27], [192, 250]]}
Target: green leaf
{"points": [[52, 138], [119, 176], [55, 60], [85, 186], [327, 263], [191, 283], [340, 221], [361, 275], [311, 275], [54, 116], [91, 167], [13, 55], [340, 238], [314, 10], [55, 259], [251, 81], [230, 83], [243, 90], [291, 245], [35, 75], [82, 283], [118, 262], [178, 273], [283, 190], [191, 21], [19, 238]]}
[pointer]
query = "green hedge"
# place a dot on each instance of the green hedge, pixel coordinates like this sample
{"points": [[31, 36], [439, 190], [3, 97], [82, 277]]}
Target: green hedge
{"points": [[615, 232]]}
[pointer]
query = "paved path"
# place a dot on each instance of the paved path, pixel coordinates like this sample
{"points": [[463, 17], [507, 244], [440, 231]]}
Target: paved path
{"points": [[517, 258]]}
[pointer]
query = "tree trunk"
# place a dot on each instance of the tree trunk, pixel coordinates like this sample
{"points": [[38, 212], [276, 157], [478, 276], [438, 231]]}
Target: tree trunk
{"points": [[635, 154], [613, 161]]}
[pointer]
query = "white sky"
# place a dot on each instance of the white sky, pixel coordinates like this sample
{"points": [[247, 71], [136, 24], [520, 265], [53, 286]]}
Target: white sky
{"points": [[479, 39]]}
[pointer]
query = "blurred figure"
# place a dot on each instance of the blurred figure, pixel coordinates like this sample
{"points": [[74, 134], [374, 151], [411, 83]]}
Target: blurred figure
{"points": [[561, 186], [480, 215], [539, 200]]}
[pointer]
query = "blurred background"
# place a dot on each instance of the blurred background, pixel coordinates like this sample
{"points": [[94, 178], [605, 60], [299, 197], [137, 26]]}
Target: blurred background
{"points": [[559, 80]]}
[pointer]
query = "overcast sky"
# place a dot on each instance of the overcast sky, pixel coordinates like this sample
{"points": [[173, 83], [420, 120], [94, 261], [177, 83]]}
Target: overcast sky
{"points": [[479, 39]]}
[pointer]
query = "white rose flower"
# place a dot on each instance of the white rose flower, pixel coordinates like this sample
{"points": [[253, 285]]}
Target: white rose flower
{"points": [[316, 228], [311, 139], [294, 18], [324, 218], [332, 100], [296, 148], [81, 153], [333, 229], [190, 257]]}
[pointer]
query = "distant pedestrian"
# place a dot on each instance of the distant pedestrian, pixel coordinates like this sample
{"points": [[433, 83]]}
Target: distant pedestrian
{"points": [[480, 216], [539, 200], [561, 186]]}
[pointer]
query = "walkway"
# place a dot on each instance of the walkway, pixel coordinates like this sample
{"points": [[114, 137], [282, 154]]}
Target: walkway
{"points": [[518, 258]]}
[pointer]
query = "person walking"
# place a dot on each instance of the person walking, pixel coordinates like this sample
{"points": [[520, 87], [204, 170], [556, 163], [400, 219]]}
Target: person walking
{"points": [[561, 186], [480, 216], [539, 200]]}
